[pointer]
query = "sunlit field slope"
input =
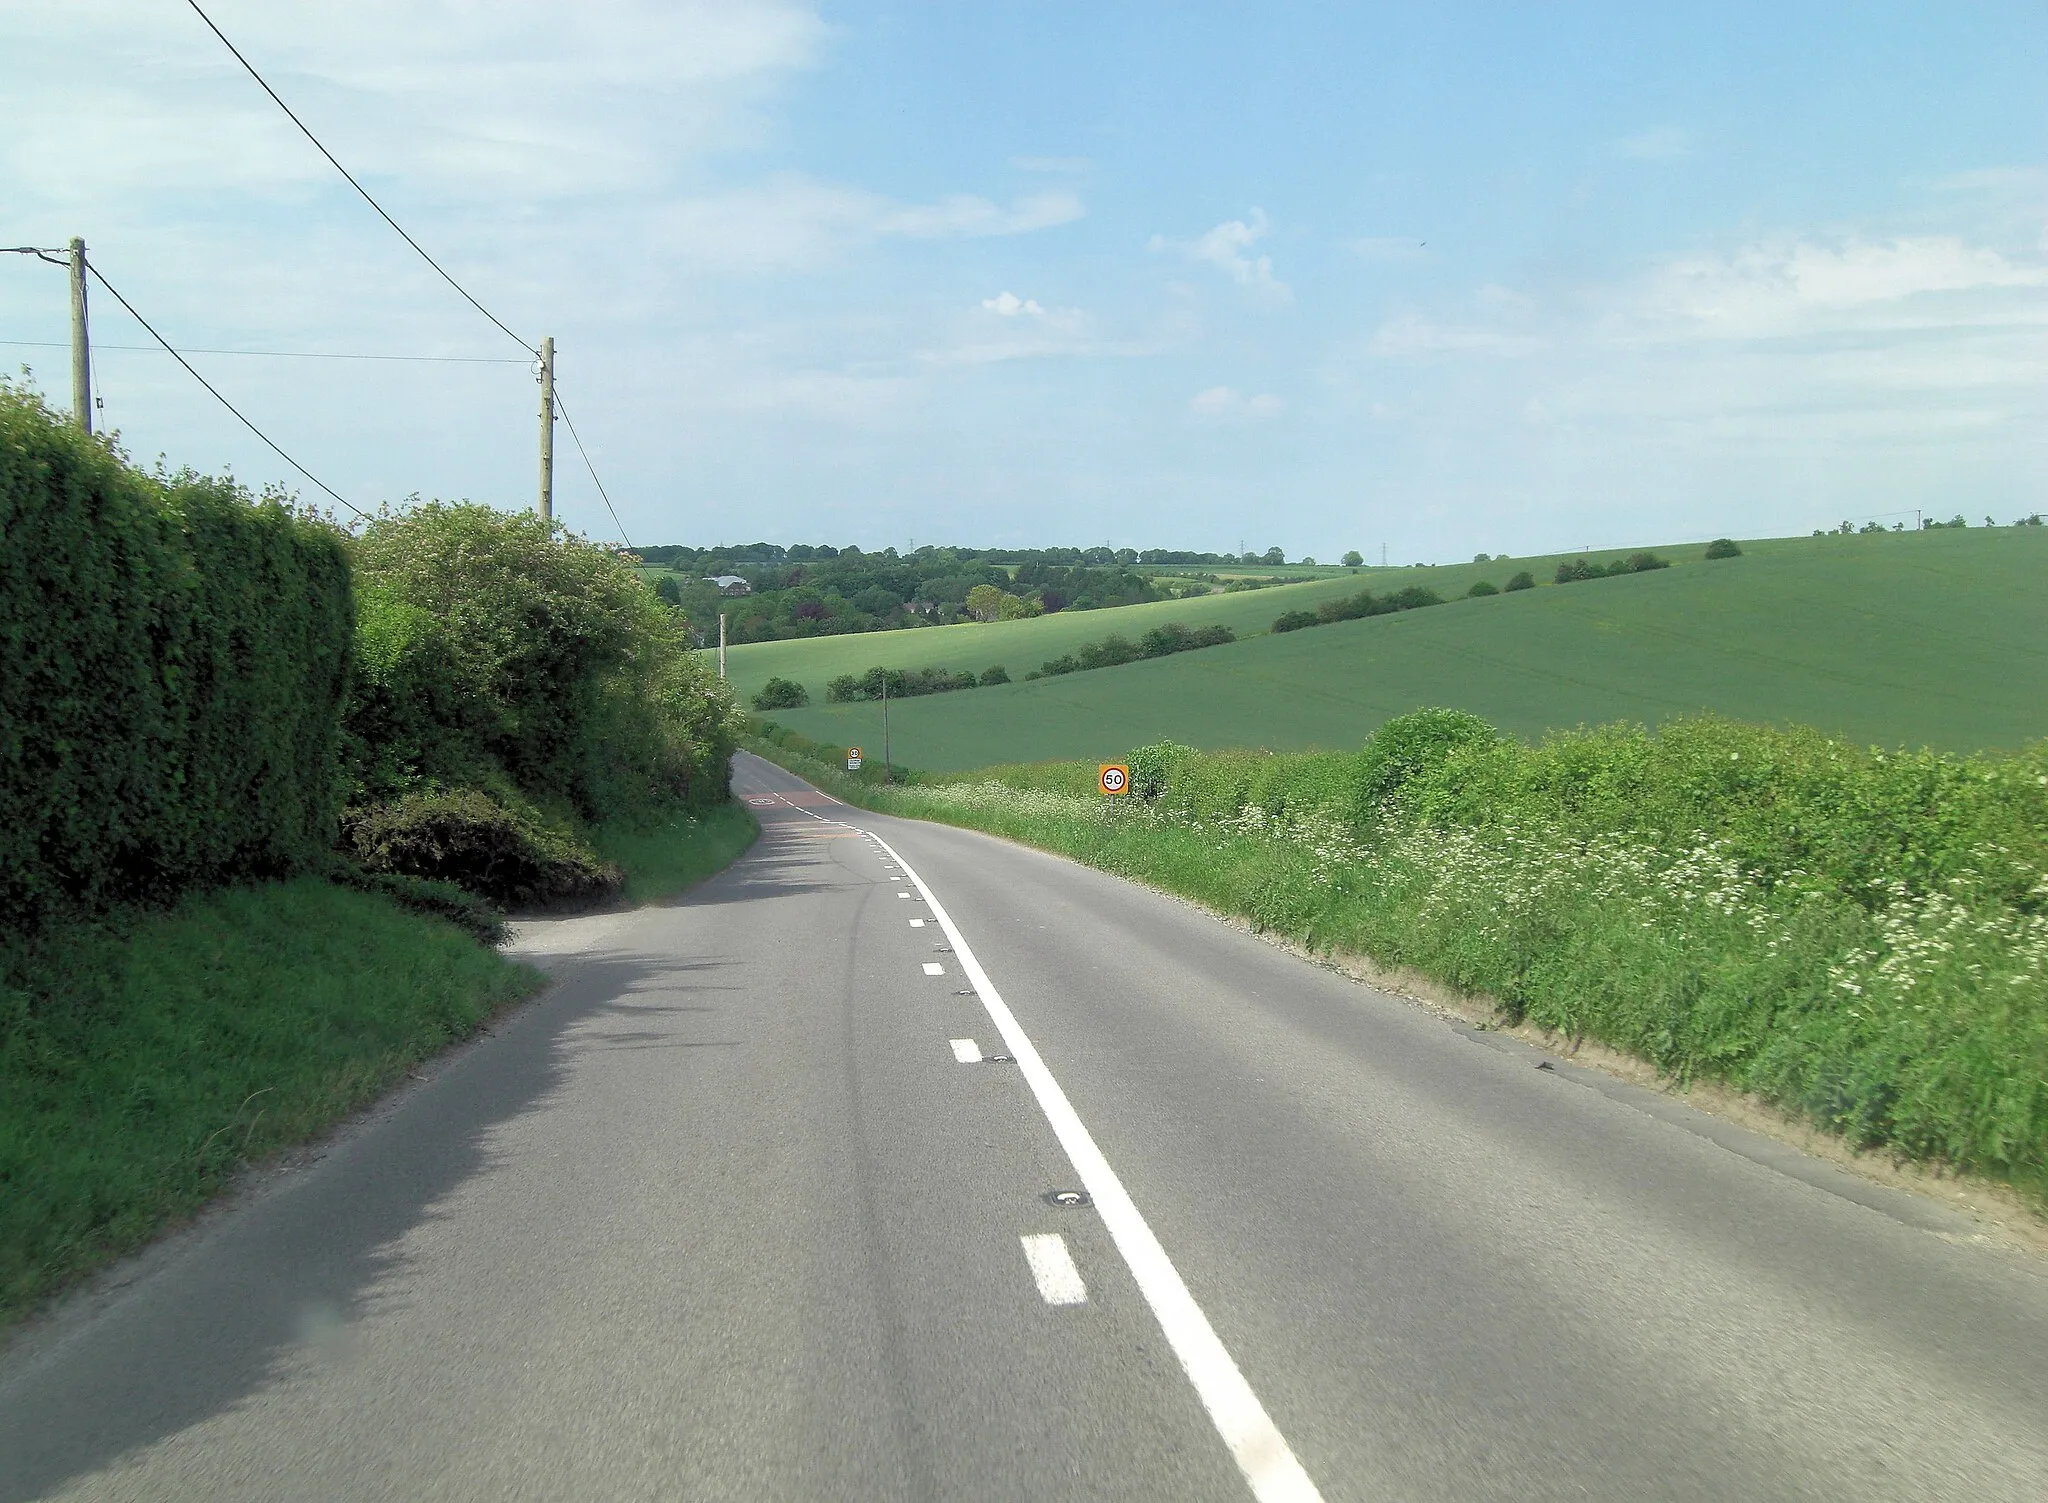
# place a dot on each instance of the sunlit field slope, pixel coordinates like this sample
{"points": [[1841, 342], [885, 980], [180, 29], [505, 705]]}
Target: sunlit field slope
{"points": [[1022, 645], [1937, 639]]}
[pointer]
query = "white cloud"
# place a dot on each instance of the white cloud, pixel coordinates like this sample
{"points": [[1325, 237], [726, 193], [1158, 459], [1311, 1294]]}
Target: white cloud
{"points": [[1224, 402], [1660, 143], [1225, 247], [1009, 305], [792, 222], [1776, 289]]}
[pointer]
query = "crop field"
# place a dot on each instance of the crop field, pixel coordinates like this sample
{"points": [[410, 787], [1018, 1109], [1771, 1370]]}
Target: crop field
{"points": [[1935, 639], [1022, 645]]}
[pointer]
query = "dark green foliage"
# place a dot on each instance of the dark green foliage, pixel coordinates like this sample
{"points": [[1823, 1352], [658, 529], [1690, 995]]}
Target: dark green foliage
{"points": [[1523, 580], [781, 694], [1575, 569], [1480, 588], [466, 837], [495, 643], [1357, 607], [668, 591], [997, 674], [1113, 651], [1723, 548], [843, 690], [1409, 745], [173, 657], [1151, 766], [482, 918]]}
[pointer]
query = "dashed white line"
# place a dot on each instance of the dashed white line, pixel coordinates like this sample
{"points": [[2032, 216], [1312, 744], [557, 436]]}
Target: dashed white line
{"points": [[933, 968], [902, 894], [966, 1051], [1053, 1270], [1255, 1442], [917, 923]]}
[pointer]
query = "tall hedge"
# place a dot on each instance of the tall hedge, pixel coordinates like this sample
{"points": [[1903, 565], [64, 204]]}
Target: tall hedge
{"points": [[173, 660]]}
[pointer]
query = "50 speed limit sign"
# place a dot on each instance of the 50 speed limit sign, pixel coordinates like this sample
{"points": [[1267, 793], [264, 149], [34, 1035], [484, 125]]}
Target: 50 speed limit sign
{"points": [[1115, 777]]}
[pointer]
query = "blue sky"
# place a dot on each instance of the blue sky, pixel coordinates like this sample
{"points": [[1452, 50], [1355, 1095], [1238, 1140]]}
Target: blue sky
{"points": [[1439, 279]]}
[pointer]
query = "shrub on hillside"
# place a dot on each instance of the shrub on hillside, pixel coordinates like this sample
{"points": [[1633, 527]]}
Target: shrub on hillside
{"points": [[1481, 588], [1723, 548], [176, 652], [1574, 569], [997, 674], [781, 694], [464, 836], [843, 689], [1295, 621], [1522, 581]]}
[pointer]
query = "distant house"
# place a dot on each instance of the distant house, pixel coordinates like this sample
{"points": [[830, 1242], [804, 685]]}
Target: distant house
{"points": [[729, 584]]}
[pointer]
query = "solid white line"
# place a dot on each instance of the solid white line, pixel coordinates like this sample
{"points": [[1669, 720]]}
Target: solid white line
{"points": [[1261, 1451], [966, 1051], [933, 968], [1052, 1267]]}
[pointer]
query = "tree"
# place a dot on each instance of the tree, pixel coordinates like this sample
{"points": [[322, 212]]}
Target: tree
{"points": [[1353, 559], [670, 592], [1273, 556], [985, 602], [781, 694], [1723, 548]]}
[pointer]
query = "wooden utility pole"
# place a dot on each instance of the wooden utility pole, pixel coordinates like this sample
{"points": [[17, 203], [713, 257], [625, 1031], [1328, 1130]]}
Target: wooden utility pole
{"points": [[81, 350], [721, 644], [547, 445], [887, 775]]}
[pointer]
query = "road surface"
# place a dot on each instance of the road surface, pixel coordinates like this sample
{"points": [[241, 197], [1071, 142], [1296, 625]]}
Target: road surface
{"points": [[747, 1205]]}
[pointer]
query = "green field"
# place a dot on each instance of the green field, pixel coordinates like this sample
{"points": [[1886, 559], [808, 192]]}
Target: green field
{"points": [[1937, 638], [1022, 645]]}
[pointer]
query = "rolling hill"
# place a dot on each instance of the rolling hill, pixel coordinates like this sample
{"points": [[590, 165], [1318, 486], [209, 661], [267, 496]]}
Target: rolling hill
{"points": [[1937, 638]]}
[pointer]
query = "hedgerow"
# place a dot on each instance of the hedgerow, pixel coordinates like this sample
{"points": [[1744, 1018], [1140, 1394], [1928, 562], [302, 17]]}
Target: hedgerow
{"points": [[1856, 934], [173, 657]]}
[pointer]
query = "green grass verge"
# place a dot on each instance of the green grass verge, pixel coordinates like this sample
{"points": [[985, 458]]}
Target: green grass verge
{"points": [[1931, 639], [145, 1056], [662, 857], [1859, 938]]}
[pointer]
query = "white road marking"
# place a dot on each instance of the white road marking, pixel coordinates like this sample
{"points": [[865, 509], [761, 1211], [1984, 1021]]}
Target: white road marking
{"points": [[902, 894], [917, 923], [1255, 1442], [966, 1051], [1052, 1267], [933, 968]]}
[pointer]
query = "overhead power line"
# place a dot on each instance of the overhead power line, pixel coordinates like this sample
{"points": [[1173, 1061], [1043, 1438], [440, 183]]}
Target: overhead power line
{"points": [[590, 467], [100, 277], [523, 344]]}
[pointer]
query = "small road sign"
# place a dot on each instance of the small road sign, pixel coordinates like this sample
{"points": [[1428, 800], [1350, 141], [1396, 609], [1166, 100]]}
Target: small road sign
{"points": [[853, 759], [1115, 777]]}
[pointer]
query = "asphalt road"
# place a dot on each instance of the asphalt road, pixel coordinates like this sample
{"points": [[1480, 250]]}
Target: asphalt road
{"points": [[728, 1213]]}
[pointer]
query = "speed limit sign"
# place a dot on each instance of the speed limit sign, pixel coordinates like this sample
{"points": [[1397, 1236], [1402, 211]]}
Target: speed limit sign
{"points": [[1115, 777], [853, 759]]}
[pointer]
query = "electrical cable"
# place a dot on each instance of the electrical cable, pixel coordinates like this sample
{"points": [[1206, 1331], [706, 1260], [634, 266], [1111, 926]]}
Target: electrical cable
{"points": [[356, 185], [592, 468], [56, 344], [99, 277]]}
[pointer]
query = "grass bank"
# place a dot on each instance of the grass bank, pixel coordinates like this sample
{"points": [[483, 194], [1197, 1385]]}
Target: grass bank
{"points": [[147, 1055], [661, 857], [1856, 936]]}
